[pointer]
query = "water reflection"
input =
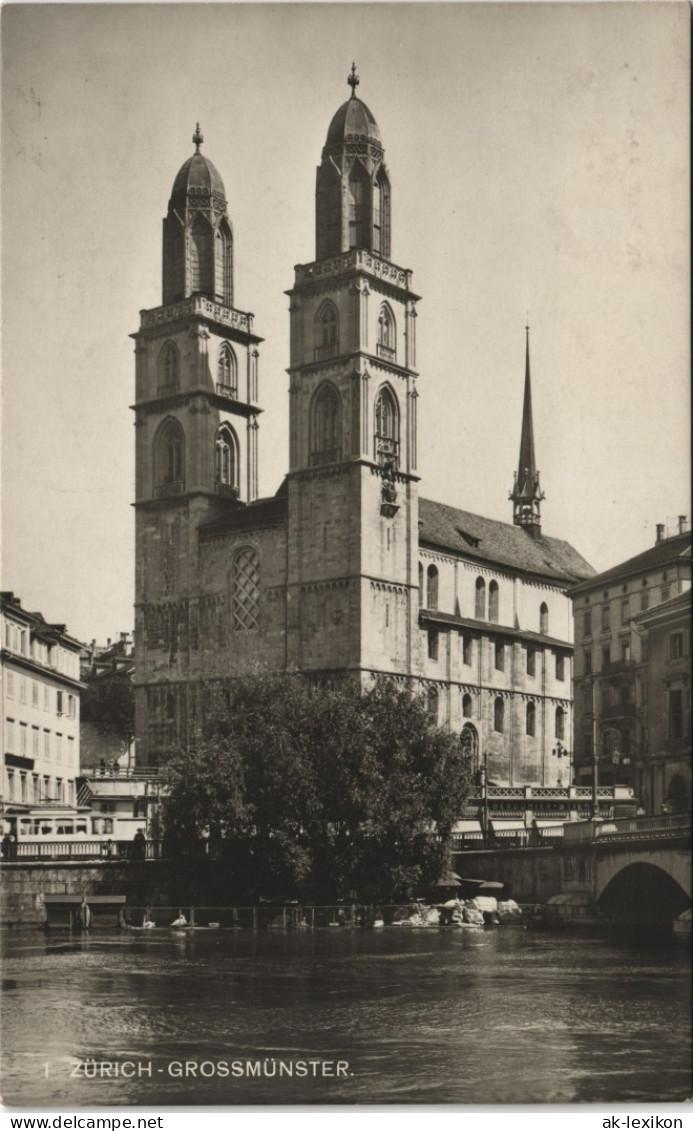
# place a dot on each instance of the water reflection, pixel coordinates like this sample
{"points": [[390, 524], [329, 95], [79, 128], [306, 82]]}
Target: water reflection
{"points": [[504, 1016]]}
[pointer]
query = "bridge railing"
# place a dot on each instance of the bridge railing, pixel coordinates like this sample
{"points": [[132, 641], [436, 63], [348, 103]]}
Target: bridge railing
{"points": [[636, 828]]}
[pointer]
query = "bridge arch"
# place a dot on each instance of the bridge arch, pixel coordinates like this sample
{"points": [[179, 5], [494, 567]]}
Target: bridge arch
{"points": [[643, 892]]}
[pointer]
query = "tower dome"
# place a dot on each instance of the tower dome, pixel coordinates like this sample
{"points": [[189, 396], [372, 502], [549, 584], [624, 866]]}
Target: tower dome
{"points": [[198, 242], [352, 196], [352, 122]]}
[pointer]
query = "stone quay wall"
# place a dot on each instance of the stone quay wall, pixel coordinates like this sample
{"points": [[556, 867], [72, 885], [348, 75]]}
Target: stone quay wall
{"points": [[532, 875]]}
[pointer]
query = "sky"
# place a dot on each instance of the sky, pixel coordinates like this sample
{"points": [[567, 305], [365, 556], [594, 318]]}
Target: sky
{"points": [[539, 162]]}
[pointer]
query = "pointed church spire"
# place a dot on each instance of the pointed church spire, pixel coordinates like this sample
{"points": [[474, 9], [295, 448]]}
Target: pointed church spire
{"points": [[526, 494]]}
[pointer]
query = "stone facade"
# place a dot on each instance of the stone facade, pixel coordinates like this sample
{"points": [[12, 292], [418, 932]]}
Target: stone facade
{"points": [[346, 568], [620, 686]]}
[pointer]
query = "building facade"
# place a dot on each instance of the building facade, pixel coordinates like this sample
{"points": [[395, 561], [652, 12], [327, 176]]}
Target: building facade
{"points": [[346, 569], [622, 699], [662, 762], [40, 713]]}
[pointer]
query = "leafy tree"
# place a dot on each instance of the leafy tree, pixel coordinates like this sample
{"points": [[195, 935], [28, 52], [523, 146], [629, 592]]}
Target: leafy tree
{"points": [[326, 791], [108, 703]]}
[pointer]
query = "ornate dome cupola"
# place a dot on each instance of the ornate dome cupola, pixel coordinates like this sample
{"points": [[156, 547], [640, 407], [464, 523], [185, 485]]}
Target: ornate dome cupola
{"points": [[198, 239], [352, 195]]}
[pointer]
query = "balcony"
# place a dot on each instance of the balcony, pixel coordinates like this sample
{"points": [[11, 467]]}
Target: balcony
{"points": [[614, 667], [618, 711], [228, 392], [385, 351]]}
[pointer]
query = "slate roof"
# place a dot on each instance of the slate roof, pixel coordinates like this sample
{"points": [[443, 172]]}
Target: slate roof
{"points": [[499, 543], [667, 551]]}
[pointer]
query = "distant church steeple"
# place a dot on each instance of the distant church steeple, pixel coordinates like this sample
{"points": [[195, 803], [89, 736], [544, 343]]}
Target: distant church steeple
{"points": [[526, 494]]}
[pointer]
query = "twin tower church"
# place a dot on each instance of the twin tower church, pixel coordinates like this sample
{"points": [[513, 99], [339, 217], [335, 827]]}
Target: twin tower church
{"points": [[346, 568]]}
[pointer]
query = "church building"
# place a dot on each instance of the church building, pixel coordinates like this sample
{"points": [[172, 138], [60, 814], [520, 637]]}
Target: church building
{"points": [[346, 569]]}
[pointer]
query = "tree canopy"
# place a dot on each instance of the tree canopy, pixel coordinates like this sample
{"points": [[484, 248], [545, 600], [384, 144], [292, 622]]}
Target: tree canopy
{"points": [[319, 790], [108, 703]]}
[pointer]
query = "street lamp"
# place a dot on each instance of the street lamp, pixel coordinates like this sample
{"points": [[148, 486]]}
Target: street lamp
{"points": [[559, 751], [482, 778]]}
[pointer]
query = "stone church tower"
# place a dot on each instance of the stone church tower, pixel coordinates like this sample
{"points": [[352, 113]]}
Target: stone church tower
{"points": [[352, 587], [196, 436], [345, 568]]}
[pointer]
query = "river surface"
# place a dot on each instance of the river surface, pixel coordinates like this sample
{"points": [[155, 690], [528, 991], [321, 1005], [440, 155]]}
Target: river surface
{"points": [[417, 1016]]}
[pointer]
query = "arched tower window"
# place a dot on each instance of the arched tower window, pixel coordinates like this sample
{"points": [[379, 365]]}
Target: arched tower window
{"points": [[326, 331], [334, 215], [357, 205], [467, 706], [499, 715], [493, 602], [245, 589], [560, 722], [480, 599], [422, 595], [326, 426], [169, 366], [432, 598], [200, 257], [223, 287], [226, 458], [386, 428], [432, 705], [469, 739], [169, 452], [386, 333], [381, 215], [544, 619], [531, 719], [227, 381]]}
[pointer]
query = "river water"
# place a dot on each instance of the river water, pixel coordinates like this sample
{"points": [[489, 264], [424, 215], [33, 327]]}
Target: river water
{"points": [[390, 1016]]}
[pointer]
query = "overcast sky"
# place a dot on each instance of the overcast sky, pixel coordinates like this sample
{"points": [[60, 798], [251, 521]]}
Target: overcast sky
{"points": [[539, 161]]}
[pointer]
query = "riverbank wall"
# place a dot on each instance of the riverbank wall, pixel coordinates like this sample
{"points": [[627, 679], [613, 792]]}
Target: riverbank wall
{"points": [[531, 875]]}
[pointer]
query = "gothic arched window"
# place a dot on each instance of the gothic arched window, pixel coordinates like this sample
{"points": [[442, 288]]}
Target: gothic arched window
{"points": [[531, 718], [222, 264], [226, 457], [226, 370], [432, 599], [544, 619], [493, 602], [499, 715], [560, 722], [169, 449], [386, 333], [357, 202], [245, 589], [381, 215], [169, 366], [432, 705], [422, 595], [386, 428], [200, 257], [326, 426], [334, 215], [480, 599], [467, 706], [326, 331]]}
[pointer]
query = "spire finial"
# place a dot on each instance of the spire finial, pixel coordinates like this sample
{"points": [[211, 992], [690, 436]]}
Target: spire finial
{"points": [[353, 80], [197, 137]]}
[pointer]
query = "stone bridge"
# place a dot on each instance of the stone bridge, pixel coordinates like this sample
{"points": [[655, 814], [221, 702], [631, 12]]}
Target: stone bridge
{"points": [[636, 869]]}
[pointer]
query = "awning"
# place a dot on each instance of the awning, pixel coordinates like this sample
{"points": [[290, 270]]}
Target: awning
{"points": [[545, 823], [465, 828], [508, 828]]}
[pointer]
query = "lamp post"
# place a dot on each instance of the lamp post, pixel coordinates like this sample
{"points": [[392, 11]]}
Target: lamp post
{"points": [[483, 789], [559, 751]]}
